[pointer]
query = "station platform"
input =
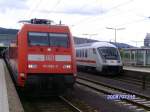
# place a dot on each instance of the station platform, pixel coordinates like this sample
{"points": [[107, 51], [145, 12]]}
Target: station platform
{"points": [[137, 69], [9, 100], [137, 72]]}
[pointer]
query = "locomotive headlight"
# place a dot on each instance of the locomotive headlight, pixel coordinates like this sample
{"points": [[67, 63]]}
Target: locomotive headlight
{"points": [[75, 75], [22, 75], [32, 66], [67, 66], [118, 61]]}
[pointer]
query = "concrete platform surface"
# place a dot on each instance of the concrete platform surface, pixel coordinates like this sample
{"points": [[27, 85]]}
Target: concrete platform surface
{"points": [[4, 107], [137, 69], [9, 100]]}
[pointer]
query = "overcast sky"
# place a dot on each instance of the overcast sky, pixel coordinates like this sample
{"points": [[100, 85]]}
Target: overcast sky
{"points": [[86, 18]]}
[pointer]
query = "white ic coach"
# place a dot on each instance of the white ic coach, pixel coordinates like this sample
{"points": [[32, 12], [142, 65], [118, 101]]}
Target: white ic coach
{"points": [[101, 56]]}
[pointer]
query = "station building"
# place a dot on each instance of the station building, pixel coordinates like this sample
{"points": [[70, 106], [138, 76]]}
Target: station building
{"points": [[147, 40]]}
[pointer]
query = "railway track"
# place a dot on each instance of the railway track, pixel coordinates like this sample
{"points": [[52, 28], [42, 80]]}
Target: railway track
{"points": [[53, 104], [137, 82], [128, 80], [138, 102], [74, 108]]}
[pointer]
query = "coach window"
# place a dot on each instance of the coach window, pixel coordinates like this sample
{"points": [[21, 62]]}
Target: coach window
{"points": [[94, 51], [77, 53], [83, 52], [58, 40], [80, 53], [86, 53], [38, 39]]}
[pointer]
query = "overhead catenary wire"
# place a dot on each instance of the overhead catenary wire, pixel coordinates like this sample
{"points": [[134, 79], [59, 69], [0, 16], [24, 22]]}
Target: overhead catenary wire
{"points": [[35, 8], [39, 3], [93, 18], [55, 6], [125, 23]]}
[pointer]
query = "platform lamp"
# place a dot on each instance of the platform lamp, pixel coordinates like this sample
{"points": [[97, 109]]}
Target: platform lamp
{"points": [[115, 29]]}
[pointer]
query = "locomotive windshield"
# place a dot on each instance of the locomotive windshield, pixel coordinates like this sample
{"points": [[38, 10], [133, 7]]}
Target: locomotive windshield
{"points": [[35, 39], [109, 53], [58, 40], [48, 39]]}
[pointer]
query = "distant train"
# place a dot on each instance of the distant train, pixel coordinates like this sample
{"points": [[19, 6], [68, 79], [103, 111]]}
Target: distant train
{"points": [[42, 54], [101, 56]]}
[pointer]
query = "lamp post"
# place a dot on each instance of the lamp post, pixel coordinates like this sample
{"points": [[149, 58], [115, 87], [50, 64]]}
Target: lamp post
{"points": [[115, 29]]}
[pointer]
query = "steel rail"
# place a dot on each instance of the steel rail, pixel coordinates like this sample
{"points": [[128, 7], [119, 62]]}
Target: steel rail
{"points": [[133, 82], [75, 109], [116, 89]]}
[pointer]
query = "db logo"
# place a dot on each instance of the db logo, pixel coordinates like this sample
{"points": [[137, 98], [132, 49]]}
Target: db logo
{"points": [[49, 57]]}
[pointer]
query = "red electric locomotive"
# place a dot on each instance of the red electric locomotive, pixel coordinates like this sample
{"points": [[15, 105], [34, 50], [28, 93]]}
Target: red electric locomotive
{"points": [[42, 54]]}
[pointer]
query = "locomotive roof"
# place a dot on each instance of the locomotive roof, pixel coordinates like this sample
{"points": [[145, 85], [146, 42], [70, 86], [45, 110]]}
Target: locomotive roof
{"points": [[44, 28], [44, 25], [96, 45]]}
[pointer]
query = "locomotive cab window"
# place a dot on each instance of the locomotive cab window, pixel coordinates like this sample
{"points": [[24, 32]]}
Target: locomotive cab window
{"points": [[58, 40], [109, 53], [38, 39]]}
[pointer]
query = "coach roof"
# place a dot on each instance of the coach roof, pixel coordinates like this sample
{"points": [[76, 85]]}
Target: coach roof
{"points": [[96, 45]]}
